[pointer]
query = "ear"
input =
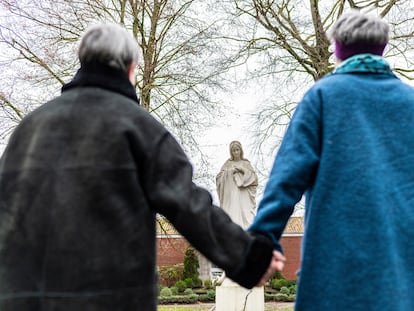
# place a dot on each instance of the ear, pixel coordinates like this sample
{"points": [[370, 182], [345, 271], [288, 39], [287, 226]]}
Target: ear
{"points": [[131, 73]]}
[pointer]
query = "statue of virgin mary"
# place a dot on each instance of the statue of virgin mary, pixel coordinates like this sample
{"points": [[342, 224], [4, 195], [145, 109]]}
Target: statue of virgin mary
{"points": [[236, 187]]}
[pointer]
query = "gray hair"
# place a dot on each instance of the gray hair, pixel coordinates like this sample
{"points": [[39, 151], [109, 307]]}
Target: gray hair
{"points": [[108, 44], [356, 27]]}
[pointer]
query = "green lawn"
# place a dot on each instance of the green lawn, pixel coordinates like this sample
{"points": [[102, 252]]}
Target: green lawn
{"points": [[201, 307]]}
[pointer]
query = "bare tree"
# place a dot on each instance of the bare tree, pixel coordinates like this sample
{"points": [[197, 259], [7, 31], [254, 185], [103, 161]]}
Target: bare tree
{"points": [[287, 39], [179, 70]]}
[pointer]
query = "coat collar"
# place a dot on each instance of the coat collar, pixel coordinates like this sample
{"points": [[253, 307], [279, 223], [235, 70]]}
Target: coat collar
{"points": [[99, 75], [365, 63]]}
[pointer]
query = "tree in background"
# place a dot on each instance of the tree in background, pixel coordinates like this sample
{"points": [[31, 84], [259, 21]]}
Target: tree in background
{"points": [[287, 41], [187, 49], [180, 64]]}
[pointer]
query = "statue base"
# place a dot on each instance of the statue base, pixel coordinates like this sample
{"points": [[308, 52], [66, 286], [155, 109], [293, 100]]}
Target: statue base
{"points": [[232, 297]]}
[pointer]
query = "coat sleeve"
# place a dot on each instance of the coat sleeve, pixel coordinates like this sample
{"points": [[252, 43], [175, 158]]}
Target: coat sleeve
{"points": [[172, 193], [293, 171]]}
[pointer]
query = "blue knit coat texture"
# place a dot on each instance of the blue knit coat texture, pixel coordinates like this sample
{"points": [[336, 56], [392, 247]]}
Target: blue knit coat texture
{"points": [[350, 149]]}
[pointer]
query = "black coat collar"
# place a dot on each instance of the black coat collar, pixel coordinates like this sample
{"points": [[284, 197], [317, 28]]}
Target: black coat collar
{"points": [[94, 74]]}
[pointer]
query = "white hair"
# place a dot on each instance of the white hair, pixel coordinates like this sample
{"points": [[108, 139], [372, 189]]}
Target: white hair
{"points": [[108, 44], [357, 27]]}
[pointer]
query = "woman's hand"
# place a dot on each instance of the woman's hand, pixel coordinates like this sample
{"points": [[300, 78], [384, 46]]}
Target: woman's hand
{"points": [[276, 264]]}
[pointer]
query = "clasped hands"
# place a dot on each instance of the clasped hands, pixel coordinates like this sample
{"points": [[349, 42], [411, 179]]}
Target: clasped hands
{"points": [[276, 264]]}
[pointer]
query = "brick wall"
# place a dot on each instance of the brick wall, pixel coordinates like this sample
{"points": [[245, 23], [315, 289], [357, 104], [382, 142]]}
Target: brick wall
{"points": [[291, 249], [171, 251]]}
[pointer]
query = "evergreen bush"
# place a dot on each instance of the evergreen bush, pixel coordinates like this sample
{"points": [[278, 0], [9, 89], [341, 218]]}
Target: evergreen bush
{"points": [[207, 297], [189, 282], [278, 283], [165, 292], [190, 299], [181, 286], [284, 290], [191, 264], [188, 291], [174, 290], [282, 297]]}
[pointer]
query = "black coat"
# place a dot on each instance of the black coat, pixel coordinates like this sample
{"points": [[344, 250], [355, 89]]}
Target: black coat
{"points": [[81, 181]]}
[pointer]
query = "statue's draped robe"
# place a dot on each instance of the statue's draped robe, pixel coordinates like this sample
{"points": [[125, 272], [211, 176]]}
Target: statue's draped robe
{"points": [[237, 191]]}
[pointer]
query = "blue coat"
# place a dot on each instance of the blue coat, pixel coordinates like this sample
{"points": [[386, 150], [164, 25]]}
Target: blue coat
{"points": [[350, 149]]}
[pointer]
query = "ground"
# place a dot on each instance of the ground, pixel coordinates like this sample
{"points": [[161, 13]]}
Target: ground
{"points": [[269, 306]]}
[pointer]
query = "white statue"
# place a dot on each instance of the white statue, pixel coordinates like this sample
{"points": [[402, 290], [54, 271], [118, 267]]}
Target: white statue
{"points": [[236, 186]]}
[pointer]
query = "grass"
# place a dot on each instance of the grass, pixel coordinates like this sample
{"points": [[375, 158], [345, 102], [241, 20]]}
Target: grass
{"points": [[182, 308], [201, 307]]}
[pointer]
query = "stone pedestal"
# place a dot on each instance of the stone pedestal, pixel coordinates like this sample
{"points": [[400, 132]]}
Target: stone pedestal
{"points": [[232, 297]]}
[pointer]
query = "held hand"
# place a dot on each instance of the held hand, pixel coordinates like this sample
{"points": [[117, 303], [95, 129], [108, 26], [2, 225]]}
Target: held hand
{"points": [[276, 264]]}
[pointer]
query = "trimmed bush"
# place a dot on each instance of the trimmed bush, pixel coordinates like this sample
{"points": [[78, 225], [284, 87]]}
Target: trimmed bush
{"points": [[181, 286], [190, 299], [188, 291], [174, 290], [291, 283], [160, 288], [189, 282], [284, 290], [282, 297], [165, 292], [278, 283], [208, 297]]}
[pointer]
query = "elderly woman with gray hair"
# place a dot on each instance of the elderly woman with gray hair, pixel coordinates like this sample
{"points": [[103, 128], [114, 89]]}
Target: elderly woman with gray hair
{"points": [[81, 182], [350, 149]]}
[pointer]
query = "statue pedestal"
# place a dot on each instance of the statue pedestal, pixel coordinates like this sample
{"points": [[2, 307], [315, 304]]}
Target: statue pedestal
{"points": [[232, 297]]}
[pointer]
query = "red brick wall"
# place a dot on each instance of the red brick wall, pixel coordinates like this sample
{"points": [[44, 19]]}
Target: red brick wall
{"points": [[171, 251], [291, 250]]}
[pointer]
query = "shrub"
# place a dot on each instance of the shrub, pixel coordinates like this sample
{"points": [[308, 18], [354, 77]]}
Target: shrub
{"points": [[208, 284], [174, 290], [284, 290], [277, 276], [209, 296], [191, 264], [169, 275], [179, 299], [292, 290], [198, 283], [188, 291], [165, 292], [189, 282], [291, 283], [282, 297], [181, 286], [160, 289], [270, 297], [278, 283]]}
